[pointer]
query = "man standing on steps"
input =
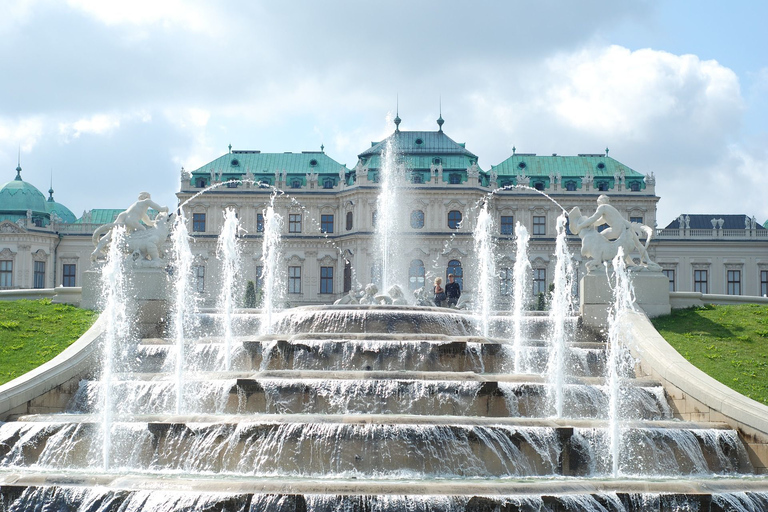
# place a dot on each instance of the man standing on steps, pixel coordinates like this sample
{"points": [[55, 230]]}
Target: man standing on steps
{"points": [[452, 291]]}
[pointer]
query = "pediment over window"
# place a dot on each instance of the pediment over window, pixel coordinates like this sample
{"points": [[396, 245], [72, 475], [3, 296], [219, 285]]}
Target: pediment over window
{"points": [[39, 255], [6, 253], [11, 227], [455, 253]]}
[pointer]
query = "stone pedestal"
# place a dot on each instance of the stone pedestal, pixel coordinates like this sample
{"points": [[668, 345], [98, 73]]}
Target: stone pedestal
{"points": [[596, 297], [148, 292]]}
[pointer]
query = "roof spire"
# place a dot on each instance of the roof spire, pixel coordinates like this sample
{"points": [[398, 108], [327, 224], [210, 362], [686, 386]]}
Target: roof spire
{"points": [[230, 148], [606, 151], [440, 120], [397, 115], [18, 167], [50, 190], [513, 150], [322, 148]]}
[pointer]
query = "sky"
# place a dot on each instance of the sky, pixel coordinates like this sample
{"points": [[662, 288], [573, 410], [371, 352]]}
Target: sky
{"points": [[106, 99]]}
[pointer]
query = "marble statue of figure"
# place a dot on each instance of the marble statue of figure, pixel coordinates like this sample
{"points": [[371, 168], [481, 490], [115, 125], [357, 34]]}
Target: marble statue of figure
{"points": [[353, 297], [396, 294], [603, 246], [131, 219], [422, 297], [370, 294]]}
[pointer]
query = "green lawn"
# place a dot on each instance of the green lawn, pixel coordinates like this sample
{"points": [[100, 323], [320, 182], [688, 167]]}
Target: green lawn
{"points": [[34, 331], [730, 343]]}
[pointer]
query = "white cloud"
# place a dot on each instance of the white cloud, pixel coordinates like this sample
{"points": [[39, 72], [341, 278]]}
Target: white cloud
{"points": [[21, 133], [184, 13], [97, 124]]}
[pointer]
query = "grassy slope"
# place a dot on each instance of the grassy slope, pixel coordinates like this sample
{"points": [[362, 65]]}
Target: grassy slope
{"points": [[34, 331], [730, 343]]}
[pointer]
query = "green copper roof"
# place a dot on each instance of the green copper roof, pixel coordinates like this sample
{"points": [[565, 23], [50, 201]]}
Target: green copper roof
{"points": [[240, 162], [576, 166], [18, 196], [61, 211], [419, 143]]}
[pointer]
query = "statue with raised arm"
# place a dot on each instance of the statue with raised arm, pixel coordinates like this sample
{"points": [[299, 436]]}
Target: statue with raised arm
{"points": [[135, 219], [603, 246]]}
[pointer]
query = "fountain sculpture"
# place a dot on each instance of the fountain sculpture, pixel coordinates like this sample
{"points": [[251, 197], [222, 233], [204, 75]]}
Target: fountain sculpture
{"points": [[372, 404]]}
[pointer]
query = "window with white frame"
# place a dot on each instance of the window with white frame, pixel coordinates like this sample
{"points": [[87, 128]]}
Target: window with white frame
{"points": [[69, 275], [326, 279], [670, 273], [539, 225], [294, 223], [416, 274], [6, 273], [39, 274], [200, 278], [733, 278], [505, 281], [701, 280], [294, 279], [539, 281], [764, 283]]}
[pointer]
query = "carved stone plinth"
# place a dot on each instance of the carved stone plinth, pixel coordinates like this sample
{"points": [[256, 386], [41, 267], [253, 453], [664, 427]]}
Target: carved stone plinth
{"points": [[596, 296], [147, 297]]}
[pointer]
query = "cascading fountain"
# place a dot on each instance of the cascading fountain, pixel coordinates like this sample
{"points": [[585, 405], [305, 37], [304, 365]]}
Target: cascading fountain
{"points": [[228, 254], [373, 407]]}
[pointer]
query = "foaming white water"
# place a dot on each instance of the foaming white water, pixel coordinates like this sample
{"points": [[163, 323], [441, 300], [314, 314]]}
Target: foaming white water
{"points": [[228, 254], [559, 312], [184, 303], [113, 289], [619, 362], [486, 268], [522, 294], [270, 256]]}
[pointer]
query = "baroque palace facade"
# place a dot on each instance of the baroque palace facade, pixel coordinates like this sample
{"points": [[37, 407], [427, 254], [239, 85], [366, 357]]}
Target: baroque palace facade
{"points": [[330, 210]]}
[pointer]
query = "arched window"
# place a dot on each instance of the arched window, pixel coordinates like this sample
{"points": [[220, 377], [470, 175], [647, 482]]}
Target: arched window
{"points": [[375, 177], [416, 274], [417, 219], [349, 221], [200, 182], [602, 186], [454, 267], [454, 219], [538, 185], [328, 183], [634, 186], [416, 178], [295, 183], [570, 186], [454, 179]]}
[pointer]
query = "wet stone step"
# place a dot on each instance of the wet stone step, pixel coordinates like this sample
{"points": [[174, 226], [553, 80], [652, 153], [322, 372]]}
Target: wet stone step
{"points": [[379, 393], [18, 497], [382, 450]]}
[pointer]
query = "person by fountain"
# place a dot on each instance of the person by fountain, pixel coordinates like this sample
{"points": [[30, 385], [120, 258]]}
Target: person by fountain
{"points": [[452, 291], [439, 292]]}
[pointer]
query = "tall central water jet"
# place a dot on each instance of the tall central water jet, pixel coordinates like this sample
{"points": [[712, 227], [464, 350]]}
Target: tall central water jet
{"points": [[387, 213], [229, 255], [486, 267], [184, 301], [270, 253], [113, 286], [623, 302], [521, 292], [559, 312]]}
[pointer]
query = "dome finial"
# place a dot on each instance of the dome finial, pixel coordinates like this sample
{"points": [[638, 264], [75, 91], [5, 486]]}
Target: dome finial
{"points": [[50, 190], [606, 151], [440, 120], [397, 115], [18, 167]]}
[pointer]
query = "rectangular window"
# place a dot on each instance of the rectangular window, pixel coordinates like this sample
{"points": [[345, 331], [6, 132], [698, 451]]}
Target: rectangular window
{"points": [[507, 225], [259, 222], [505, 281], [539, 281], [734, 282], [294, 223], [539, 225], [764, 283], [69, 275], [326, 223], [700, 281], [670, 273], [326, 279], [198, 222], [39, 274], [200, 278], [294, 279], [6, 273], [638, 220]]}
